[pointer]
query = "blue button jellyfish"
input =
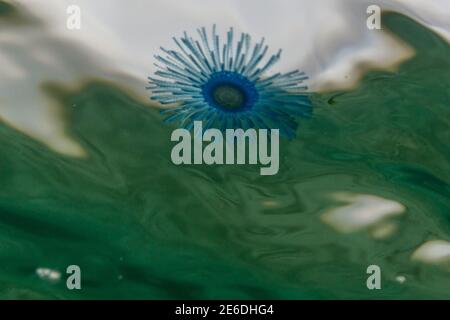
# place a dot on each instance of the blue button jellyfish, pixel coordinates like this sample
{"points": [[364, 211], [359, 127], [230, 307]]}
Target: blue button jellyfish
{"points": [[225, 87]]}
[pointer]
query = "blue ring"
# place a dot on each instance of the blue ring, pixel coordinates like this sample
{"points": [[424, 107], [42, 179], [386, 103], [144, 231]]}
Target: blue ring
{"points": [[233, 79]]}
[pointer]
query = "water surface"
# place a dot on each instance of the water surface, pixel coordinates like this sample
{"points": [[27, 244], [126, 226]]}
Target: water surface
{"points": [[141, 227]]}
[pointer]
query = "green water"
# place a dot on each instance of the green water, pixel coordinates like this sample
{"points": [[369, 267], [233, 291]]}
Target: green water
{"points": [[141, 227]]}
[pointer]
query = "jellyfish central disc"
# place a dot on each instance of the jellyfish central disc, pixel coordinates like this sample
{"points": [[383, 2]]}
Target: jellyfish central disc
{"points": [[229, 91], [229, 96]]}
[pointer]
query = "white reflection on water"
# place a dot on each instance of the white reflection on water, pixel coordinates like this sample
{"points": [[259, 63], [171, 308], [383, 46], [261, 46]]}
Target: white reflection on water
{"points": [[363, 212], [328, 39], [48, 274], [433, 252]]}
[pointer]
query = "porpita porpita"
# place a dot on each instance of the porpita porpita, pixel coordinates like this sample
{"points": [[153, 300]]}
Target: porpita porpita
{"points": [[225, 85]]}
